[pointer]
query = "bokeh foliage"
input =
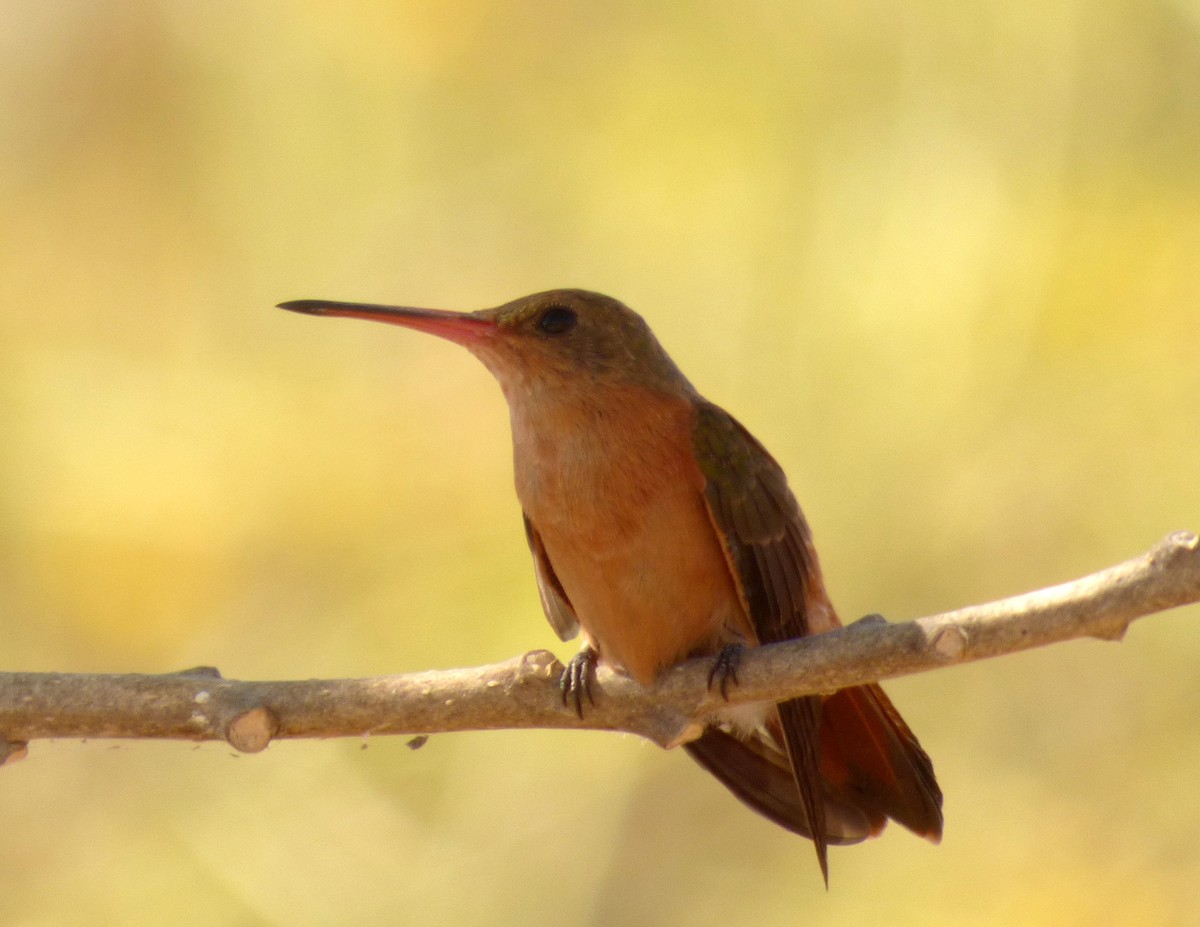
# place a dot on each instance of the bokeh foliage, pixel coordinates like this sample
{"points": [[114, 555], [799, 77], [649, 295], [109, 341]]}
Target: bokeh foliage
{"points": [[942, 258]]}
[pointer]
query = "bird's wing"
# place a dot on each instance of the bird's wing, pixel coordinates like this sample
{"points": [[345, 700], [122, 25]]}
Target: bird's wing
{"points": [[554, 600], [768, 548]]}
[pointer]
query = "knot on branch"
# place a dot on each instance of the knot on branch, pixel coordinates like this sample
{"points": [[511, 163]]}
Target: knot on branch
{"points": [[539, 665], [1180, 544], [252, 730], [950, 643]]}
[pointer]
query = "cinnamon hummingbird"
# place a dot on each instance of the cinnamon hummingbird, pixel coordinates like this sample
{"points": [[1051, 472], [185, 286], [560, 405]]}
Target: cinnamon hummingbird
{"points": [[664, 531]]}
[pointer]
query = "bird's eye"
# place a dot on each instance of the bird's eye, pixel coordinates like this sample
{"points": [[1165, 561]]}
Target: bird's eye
{"points": [[556, 320]]}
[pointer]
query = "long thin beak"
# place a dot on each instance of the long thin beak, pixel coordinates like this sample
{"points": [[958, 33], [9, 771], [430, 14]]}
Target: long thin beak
{"points": [[462, 327]]}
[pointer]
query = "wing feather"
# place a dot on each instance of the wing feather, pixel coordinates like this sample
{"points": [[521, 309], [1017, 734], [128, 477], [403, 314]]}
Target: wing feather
{"points": [[555, 603], [766, 544]]}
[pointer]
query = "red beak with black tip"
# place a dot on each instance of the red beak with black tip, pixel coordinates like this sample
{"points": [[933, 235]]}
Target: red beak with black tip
{"points": [[462, 328]]}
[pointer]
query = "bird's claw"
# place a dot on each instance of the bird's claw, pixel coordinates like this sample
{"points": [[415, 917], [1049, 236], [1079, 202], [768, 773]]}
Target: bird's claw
{"points": [[575, 683], [724, 669]]}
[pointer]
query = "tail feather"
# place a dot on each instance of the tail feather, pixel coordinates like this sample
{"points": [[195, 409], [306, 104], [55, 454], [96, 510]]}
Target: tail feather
{"points": [[756, 772], [871, 768], [870, 755], [800, 723]]}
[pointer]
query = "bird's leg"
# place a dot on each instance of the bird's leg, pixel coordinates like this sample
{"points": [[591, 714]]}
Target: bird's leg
{"points": [[724, 669], [575, 683]]}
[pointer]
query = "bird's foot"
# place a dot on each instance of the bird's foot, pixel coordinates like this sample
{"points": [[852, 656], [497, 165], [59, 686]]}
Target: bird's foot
{"points": [[575, 683], [724, 669], [870, 620]]}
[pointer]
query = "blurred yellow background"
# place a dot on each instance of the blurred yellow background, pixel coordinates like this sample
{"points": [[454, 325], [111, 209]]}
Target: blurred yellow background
{"points": [[942, 259]]}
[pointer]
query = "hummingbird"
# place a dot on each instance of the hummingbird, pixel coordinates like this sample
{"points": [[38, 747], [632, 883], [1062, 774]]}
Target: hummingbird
{"points": [[664, 531]]}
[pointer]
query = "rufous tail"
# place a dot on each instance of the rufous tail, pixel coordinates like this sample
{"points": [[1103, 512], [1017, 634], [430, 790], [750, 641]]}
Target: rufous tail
{"points": [[872, 768]]}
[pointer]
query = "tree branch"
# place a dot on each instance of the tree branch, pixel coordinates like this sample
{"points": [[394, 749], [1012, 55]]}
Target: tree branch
{"points": [[523, 692]]}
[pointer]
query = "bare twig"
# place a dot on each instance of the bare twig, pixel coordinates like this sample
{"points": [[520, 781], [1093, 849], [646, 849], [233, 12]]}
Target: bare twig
{"points": [[523, 692]]}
